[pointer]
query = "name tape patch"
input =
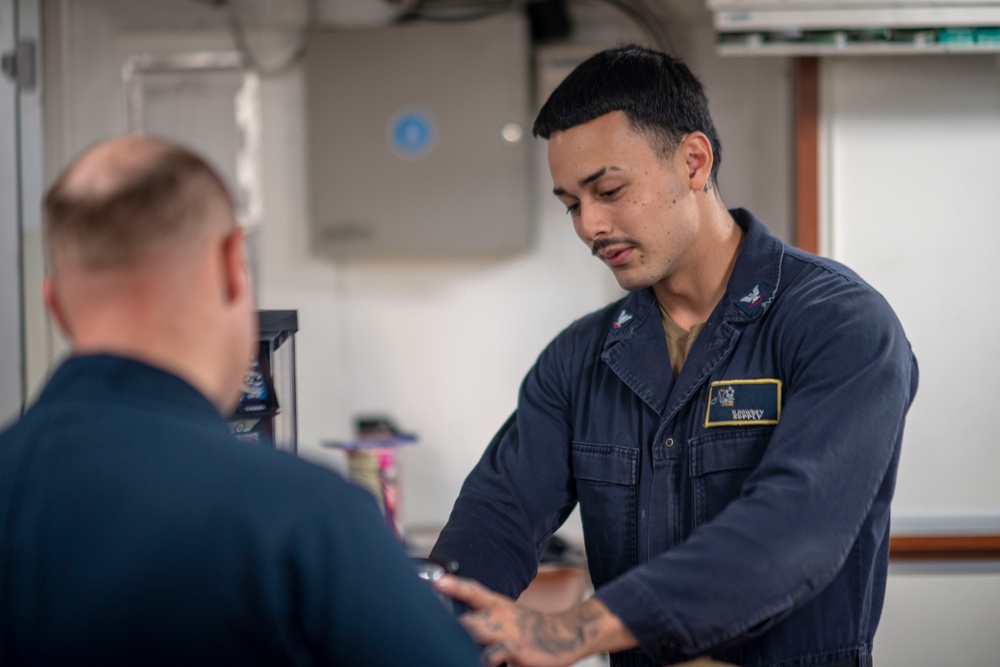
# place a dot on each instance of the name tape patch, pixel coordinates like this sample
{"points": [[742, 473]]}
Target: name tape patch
{"points": [[744, 402]]}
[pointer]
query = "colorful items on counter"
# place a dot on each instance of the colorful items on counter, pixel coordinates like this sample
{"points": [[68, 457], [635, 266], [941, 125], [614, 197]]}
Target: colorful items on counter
{"points": [[372, 465]]}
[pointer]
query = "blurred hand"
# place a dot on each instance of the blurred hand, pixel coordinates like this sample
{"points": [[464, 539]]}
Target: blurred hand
{"points": [[525, 638]]}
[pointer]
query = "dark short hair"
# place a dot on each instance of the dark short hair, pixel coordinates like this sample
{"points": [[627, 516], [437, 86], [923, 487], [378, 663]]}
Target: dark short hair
{"points": [[658, 94], [167, 194]]}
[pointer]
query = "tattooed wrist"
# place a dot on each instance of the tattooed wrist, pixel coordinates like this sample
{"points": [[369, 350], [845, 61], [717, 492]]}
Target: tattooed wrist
{"points": [[565, 634]]}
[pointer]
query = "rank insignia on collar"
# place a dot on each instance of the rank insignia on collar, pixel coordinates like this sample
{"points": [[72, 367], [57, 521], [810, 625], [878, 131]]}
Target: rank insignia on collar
{"points": [[624, 317], [754, 298]]}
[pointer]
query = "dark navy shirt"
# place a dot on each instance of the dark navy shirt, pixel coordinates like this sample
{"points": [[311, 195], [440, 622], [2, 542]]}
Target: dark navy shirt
{"points": [[136, 531], [740, 511]]}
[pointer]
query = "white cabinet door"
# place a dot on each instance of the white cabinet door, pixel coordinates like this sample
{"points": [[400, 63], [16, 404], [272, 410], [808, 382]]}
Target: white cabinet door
{"points": [[914, 207]]}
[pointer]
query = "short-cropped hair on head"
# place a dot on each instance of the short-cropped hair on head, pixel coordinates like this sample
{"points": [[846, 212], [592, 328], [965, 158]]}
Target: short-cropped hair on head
{"points": [[658, 94], [111, 213]]}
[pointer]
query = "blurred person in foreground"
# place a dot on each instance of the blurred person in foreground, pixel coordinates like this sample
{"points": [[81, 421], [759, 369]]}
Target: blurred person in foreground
{"points": [[730, 430], [135, 530]]}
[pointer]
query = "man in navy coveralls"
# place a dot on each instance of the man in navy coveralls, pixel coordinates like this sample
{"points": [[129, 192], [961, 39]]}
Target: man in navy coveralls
{"points": [[730, 429]]}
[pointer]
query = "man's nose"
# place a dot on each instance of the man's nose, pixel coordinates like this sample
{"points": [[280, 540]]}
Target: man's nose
{"points": [[593, 223]]}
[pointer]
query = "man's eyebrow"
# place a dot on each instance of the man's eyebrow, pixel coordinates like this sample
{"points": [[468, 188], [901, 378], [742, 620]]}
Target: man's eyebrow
{"points": [[587, 180]]}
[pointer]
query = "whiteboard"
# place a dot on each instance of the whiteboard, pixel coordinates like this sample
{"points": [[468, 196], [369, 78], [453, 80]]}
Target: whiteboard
{"points": [[911, 155]]}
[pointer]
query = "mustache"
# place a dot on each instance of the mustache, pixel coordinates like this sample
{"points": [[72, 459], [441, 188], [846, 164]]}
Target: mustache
{"points": [[602, 243]]}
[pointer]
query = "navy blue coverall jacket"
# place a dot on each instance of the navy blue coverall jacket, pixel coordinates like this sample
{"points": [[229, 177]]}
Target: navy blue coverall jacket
{"points": [[134, 530], [740, 511]]}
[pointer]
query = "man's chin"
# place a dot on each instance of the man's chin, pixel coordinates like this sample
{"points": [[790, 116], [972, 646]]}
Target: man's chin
{"points": [[631, 283]]}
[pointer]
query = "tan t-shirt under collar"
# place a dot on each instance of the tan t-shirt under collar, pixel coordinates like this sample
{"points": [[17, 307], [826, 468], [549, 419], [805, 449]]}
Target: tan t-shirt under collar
{"points": [[679, 341]]}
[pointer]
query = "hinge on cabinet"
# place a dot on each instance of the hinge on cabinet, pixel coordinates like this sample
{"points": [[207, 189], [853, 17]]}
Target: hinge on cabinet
{"points": [[18, 65]]}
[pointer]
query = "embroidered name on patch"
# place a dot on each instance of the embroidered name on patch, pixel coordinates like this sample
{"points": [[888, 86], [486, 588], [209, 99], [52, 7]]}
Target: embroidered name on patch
{"points": [[744, 402]]}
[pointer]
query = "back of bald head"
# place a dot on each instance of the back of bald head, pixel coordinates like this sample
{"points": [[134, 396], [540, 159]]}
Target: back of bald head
{"points": [[124, 199]]}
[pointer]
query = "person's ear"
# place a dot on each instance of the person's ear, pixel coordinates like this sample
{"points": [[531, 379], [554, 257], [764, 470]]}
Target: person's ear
{"points": [[52, 305], [698, 159], [235, 265]]}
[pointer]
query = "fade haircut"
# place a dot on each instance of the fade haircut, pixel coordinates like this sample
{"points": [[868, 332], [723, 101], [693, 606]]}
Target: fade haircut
{"points": [[659, 95], [114, 203]]}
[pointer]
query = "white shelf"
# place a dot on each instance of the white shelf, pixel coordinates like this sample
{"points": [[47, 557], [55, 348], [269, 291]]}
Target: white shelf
{"points": [[748, 20], [718, 5], [855, 49]]}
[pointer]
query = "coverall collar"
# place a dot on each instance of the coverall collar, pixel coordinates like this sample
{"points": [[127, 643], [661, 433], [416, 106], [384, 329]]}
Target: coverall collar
{"points": [[635, 347]]}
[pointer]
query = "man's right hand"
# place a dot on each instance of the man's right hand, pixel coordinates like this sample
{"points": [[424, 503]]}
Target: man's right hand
{"points": [[523, 637]]}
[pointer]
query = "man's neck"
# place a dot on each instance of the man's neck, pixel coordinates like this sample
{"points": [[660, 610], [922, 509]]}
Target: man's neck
{"points": [[690, 294], [170, 333], [165, 357]]}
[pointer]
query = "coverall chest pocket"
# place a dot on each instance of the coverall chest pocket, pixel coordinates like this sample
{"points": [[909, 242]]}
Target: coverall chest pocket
{"points": [[720, 463], [606, 477]]}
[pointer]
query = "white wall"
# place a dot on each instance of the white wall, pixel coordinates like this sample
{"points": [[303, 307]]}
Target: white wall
{"points": [[913, 190]]}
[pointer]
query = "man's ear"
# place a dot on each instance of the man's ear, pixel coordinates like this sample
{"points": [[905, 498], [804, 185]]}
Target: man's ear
{"points": [[52, 305], [698, 159], [236, 270]]}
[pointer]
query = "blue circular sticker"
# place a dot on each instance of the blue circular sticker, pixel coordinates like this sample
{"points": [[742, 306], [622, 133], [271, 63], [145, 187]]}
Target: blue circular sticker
{"points": [[412, 134]]}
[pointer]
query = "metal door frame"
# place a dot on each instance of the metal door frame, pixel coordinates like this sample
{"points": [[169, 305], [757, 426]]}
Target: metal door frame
{"points": [[21, 183]]}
